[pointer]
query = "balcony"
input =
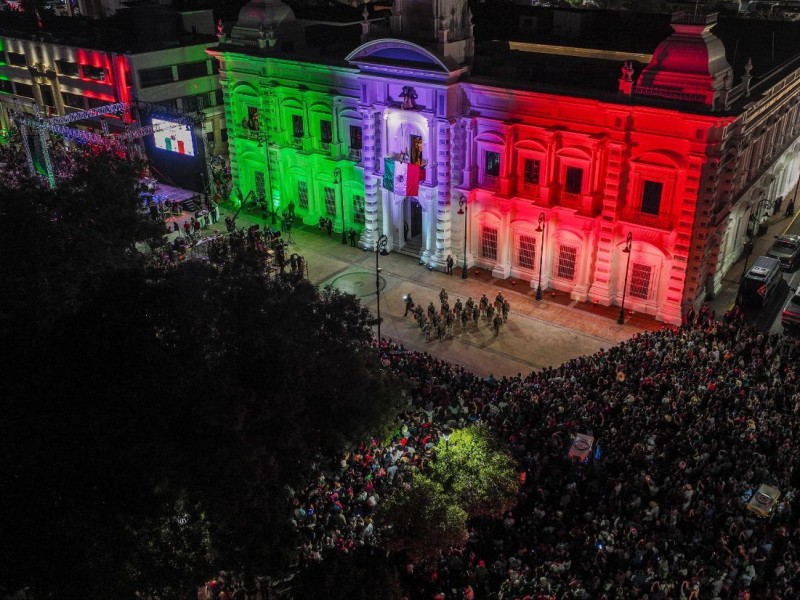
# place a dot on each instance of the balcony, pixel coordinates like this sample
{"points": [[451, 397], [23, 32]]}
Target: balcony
{"points": [[530, 190], [354, 154], [570, 200], [490, 182], [325, 147], [662, 222], [296, 143]]}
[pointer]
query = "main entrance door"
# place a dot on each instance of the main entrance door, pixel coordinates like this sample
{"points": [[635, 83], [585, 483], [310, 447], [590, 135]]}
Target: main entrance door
{"points": [[416, 218]]}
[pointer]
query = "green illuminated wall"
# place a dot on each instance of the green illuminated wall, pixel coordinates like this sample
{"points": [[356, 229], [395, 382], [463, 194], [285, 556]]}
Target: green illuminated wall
{"points": [[295, 117]]}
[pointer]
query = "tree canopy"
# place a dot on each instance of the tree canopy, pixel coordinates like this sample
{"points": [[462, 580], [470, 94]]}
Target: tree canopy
{"points": [[157, 419], [476, 472]]}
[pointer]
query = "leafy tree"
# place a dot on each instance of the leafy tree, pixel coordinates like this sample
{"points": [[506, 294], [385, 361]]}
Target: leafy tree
{"points": [[476, 472], [422, 521]]}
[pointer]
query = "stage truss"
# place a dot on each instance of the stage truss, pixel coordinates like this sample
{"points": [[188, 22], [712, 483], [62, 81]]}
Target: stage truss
{"points": [[60, 126]]}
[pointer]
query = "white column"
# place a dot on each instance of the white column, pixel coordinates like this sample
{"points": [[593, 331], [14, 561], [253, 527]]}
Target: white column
{"points": [[371, 180], [441, 196]]}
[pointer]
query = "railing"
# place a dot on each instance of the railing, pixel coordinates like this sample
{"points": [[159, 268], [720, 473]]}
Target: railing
{"points": [[325, 147], [296, 142], [530, 190], [646, 220], [489, 181], [668, 94], [355, 154], [571, 200]]}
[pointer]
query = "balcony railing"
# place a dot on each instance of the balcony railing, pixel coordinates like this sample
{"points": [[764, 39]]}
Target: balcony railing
{"points": [[325, 147], [647, 220], [296, 142], [530, 190], [571, 200], [490, 181], [354, 154]]}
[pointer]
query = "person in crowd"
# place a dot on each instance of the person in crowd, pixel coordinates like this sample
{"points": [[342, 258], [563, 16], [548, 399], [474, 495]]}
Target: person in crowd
{"points": [[443, 296], [449, 264], [329, 227], [352, 235]]}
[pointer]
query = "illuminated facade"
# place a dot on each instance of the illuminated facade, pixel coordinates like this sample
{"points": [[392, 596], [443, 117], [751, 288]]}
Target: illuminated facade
{"points": [[679, 156]]}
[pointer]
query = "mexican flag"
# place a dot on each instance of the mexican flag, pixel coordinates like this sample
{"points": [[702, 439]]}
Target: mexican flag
{"points": [[402, 178]]}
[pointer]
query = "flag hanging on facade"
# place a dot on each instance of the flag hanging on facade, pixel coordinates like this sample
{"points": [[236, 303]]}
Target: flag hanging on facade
{"points": [[401, 178]]}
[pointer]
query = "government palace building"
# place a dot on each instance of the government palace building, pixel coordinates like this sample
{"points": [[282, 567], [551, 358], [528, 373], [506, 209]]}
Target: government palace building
{"points": [[537, 160]]}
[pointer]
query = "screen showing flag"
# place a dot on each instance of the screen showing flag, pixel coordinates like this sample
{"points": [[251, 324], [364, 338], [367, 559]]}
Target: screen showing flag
{"points": [[173, 137]]}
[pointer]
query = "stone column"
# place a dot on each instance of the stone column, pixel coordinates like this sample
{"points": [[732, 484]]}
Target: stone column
{"points": [[371, 180], [440, 199]]}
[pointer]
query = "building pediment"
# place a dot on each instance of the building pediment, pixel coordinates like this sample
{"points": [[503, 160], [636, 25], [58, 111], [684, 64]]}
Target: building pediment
{"points": [[393, 57]]}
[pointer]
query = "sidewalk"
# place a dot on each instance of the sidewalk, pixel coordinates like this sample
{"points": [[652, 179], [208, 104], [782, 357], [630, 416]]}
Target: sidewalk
{"points": [[538, 334]]}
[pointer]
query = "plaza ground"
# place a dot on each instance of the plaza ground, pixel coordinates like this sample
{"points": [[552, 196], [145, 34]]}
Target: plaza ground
{"points": [[538, 333]]}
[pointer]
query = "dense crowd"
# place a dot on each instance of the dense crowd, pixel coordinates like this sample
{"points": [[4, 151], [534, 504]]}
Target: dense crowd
{"points": [[14, 171], [689, 422]]}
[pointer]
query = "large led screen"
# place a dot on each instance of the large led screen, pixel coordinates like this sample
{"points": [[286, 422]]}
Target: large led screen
{"points": [[173, 137]]}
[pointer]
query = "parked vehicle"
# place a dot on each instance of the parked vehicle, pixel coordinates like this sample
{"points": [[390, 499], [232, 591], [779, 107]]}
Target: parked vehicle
{"points": [[790, 317], [786, 249], [761, 282]]}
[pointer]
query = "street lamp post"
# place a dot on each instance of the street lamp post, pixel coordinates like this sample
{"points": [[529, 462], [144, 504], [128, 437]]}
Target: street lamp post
{"points": [[627, 250], [541, 228], [462, 210], [380, 248], [337, 178]]}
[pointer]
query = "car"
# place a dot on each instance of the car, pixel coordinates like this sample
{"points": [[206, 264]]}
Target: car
{"points": [[786, 249]]}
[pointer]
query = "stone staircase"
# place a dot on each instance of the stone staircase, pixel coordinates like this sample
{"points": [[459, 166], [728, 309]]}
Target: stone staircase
{"points": [[413, 247]]}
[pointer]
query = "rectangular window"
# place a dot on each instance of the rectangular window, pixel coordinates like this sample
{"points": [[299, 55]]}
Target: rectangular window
{"points": [[566, 262], [97, 102], [358, 208], [6, 87], [297, 126], [574, 183], [355, 137], [17, 59], [192, 70], [223, 134], [210, 138], [73, 100], [330, 201], [214, 67], [640, 281], [24, 89], [492, 164], [531, 171], [526, 252], [489, 243], [196, 102], [302, 194], [325, 131], [47, 95], [93, 73], [261, 190], [70, 69], [651, 197], [157, 76], [218, 97]]}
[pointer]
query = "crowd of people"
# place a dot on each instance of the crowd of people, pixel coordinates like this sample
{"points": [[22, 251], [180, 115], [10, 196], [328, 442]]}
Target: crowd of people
{"points": [[441, 322], [688, 423], [14, 170]]}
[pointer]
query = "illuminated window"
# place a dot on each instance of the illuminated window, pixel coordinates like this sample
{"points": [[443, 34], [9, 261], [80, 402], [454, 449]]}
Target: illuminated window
{"points": [[526, 251], [574, 180], [297, 126], [330, 201], [491, 165], [68, 68], [326, 132], [489, 243], [358, 208], [640, 281], [94, 73], [651, 197], [566, 262], [302, 194], [6, 87], [531, 171]]}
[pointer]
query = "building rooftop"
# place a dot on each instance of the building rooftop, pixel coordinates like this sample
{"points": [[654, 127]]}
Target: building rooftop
{"points": [[143, 28]]}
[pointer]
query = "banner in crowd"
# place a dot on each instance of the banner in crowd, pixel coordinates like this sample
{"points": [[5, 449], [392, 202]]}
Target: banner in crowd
{"points": [[402, 178], [764, 500], [581, 447]]}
